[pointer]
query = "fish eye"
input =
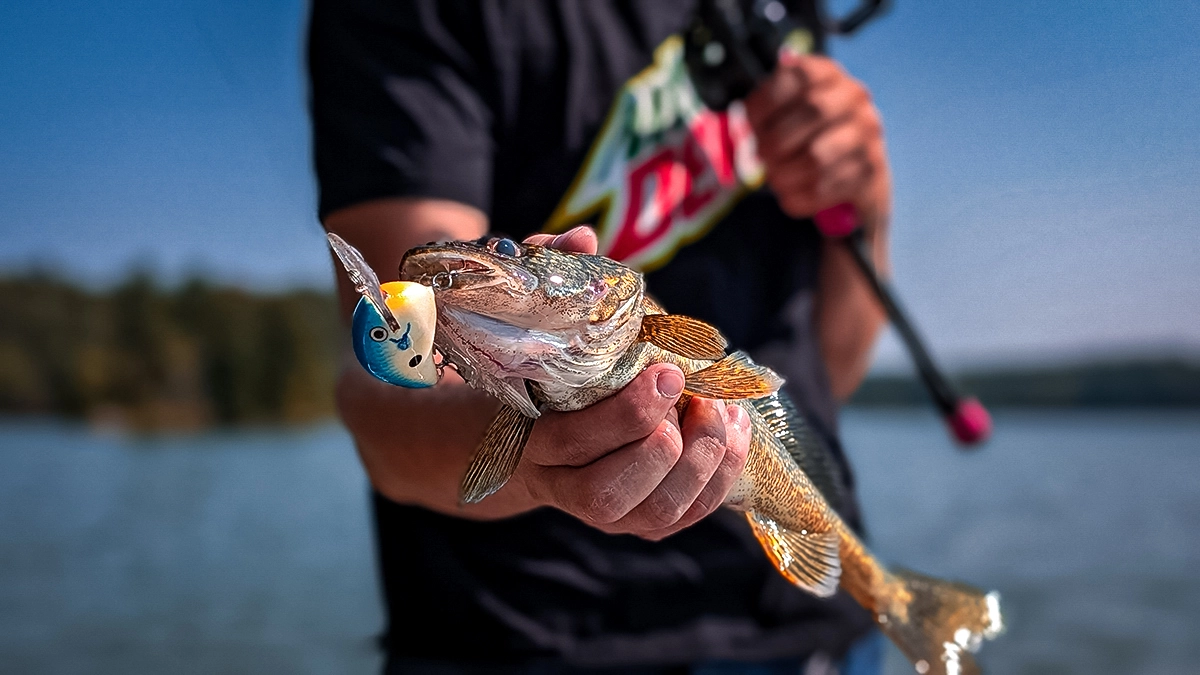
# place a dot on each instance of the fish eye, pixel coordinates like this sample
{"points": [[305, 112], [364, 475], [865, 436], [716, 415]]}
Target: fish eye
{"points": [[378, 334], [414, 361], [506, 247]]}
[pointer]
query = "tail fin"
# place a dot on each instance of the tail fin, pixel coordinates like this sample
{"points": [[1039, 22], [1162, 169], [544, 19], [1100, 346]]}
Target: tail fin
{"points": [[939, 624]]}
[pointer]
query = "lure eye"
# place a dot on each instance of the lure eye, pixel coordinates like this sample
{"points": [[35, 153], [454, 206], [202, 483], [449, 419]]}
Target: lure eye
{"points": [[414, 361], [506, 247], [378, 334]]}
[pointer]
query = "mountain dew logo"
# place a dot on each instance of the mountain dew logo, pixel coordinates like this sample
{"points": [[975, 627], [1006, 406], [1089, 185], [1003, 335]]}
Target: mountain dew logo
{"points": [[663, 169]]}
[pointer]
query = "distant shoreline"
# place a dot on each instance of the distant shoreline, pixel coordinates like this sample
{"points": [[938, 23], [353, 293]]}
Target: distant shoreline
{"points": [[1103, 383], [141, 357]]}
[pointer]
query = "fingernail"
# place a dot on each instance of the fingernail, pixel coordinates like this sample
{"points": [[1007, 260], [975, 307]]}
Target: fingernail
{"points": [[669, 383], [562, 238], [734, 415]]}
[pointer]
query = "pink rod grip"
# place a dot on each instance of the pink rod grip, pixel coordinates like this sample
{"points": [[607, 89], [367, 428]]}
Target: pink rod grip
{"points": [[970, 422], [837, 221]]}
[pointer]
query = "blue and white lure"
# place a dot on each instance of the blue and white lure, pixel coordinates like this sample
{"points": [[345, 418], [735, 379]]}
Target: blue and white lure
{"points": [[393, 324]]}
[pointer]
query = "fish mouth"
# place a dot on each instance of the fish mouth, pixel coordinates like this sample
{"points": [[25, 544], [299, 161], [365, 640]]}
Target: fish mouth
{"points": [[464, 266]]}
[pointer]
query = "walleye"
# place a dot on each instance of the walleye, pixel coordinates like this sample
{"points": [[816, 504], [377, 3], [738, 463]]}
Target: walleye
{"points": [[542, 329]]}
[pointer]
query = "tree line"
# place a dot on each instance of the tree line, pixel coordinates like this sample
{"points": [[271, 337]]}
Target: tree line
{"points": [[1145, 382], [142, 356], [146, 357]]}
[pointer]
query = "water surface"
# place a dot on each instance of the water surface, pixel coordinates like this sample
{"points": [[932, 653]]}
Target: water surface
{"points": [[246, 552], [251, 551], [1087, 522]]}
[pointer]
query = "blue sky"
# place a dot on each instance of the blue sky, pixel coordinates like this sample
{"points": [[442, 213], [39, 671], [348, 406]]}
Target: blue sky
{"points": [[1046, 159]]}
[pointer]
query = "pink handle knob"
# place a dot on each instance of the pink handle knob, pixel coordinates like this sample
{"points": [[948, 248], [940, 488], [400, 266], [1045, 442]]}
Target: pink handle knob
{"points": [[837, 221], [970, 422]]}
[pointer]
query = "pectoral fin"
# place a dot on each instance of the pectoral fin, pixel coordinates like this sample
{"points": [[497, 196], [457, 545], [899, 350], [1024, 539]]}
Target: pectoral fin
{"points": [[497, 456], [683, 335], [809, 561], [733, 377]]}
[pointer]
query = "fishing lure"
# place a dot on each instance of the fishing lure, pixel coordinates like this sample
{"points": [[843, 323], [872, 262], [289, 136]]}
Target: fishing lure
{"points": [[393, 324]]}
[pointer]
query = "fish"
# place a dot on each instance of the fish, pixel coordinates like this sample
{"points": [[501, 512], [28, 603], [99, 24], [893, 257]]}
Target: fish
{"points": [[542, 329]]}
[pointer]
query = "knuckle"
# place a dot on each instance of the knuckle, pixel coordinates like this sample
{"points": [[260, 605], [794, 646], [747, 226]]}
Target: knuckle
{"points": [[561, 444], [572, 449], [872, 124], [642, 419], [659, 515], [737, 452], [862, 93], [602, 507], [709, 450], [667, 441], [664, 511], [822, 107], [818, 151], [706, 503], [707, 432]]}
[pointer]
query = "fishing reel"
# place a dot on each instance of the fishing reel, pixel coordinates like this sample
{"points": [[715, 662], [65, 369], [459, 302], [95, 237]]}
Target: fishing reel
{"points": [[732, 45]]}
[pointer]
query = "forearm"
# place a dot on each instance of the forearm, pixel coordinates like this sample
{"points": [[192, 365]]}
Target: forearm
{"points": [[416, 443]]}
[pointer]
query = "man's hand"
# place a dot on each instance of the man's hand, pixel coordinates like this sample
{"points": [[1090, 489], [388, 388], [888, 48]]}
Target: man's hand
{"points": [[627, 464], [821, 142], [820, 139]]}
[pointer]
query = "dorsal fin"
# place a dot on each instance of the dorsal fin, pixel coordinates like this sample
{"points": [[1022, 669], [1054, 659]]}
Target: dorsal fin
{"points": [[683, 335]]}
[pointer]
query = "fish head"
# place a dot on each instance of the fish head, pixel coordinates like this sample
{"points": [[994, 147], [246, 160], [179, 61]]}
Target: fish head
{"points": [[523, 284], [401, 356], [510, 312]]}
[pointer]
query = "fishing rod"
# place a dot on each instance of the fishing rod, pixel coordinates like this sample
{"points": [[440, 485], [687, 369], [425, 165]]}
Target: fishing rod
{"points": [[732, 45]]}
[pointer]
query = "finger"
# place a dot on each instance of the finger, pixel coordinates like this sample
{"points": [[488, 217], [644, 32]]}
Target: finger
{"points": [[539, 239], [838, 141], [604, 491], [803, 193], [737, 449], [704, 441], [792, 80], [579, 239], [833, 168], [581, 437], [845, 180], [738, 431], [808, 118]]}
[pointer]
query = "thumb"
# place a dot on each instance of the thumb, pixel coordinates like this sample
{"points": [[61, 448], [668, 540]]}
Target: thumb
{"points": [[633, 413]]}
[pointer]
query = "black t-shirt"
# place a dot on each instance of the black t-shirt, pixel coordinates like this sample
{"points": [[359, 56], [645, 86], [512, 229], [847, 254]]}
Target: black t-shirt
{"points": [[545, 114]]}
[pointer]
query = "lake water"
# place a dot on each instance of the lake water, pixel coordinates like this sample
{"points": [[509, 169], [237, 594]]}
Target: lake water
{"points": [[251, 551]]}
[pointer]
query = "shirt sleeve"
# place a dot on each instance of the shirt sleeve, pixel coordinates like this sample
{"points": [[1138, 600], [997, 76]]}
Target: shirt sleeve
{"points": [[396, 106]]}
